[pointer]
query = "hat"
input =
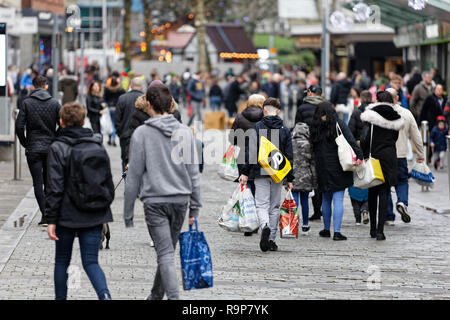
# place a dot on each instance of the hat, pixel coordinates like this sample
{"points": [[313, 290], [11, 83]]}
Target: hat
{"points": [[441, 118], [314, 89], [155, 82]]}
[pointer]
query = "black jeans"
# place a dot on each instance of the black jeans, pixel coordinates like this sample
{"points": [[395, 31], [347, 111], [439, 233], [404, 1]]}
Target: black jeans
{"points": [[37, 163], [378, 199], [317, 202]]}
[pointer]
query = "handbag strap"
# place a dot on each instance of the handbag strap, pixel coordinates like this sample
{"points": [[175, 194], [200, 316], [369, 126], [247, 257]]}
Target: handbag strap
{"points": [[371, 136], [338, 129], [196, 226]]}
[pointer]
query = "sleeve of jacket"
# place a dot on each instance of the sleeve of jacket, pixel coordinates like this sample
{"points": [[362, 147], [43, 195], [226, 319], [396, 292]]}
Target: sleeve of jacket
{"points": [[289, 153], [89, 106], [298, 116], [334, 94], [193, 170], [251, 153], [352, 125], [20, 125], [415, 136], [232, 136], [118, 116], [414, 98], [134, 177], [55, 184], [351, 140]]}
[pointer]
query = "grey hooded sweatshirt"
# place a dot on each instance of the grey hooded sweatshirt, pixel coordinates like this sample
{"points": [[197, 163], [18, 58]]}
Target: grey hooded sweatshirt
{"points": [[163, 166]]}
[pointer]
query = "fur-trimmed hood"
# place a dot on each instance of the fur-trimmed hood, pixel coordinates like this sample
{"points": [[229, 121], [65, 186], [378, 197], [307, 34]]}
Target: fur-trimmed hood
{"points": [[382, 114]]}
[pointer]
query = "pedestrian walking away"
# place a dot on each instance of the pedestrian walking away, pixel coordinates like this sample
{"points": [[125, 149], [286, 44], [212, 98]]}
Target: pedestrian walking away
{"points": [[72, 211], [95, 105], [332, 180], [166, 186], [113, 90], [268, 192], [380, 135], [38, 118]]}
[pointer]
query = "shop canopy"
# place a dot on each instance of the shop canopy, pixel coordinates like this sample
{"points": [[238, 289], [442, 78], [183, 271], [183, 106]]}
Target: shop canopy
{"points": [[397, 13]]}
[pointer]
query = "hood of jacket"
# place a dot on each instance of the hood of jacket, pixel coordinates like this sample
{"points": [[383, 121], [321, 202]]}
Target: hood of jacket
{"points": [[41, 94], [314, 100], [142, 107], [113, 88], [272, 122], [301, 130], [70, 134], [68, 77], [166, 124], [345, 83], [253, 114], [383, 115]]}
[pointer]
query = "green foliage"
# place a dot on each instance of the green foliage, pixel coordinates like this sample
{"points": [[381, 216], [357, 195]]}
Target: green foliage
{"points": [[300, 58], [280, 43]]}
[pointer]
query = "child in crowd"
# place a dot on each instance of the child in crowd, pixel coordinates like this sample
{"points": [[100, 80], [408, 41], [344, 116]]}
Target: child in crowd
{"points": [[360, 204], [439, 142], [304, 171]]}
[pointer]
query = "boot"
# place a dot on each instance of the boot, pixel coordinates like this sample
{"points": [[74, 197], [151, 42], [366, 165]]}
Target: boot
{"points": [[316, 216]]}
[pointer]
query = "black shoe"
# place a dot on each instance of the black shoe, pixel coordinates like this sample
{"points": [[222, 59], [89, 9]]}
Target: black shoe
{"points": [[248, 234], [325, 233], [264, 243], [316, 216], [114, 144], [109, 142], [273, 246], [373, 234], [305, 229], [380, 236], [339, 236]]}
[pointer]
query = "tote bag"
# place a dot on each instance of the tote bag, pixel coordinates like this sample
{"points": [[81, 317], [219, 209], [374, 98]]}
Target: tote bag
{"points": [[369, 174], [272, 160], [346, 154]]}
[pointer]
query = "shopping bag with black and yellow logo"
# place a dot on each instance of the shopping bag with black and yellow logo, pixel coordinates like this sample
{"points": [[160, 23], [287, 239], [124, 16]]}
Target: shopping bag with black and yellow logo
{"points": [[272, 160]]}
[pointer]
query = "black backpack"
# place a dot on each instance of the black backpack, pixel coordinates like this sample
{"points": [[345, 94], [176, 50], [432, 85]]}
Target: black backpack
{"points": [[89, 181]]}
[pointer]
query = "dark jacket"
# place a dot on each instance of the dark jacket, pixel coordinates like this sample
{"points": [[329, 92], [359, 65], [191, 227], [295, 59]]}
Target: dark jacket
{"points": [[216, 91], [196, 90], [305, 112], [355, 124], [59, 209], [340, 91], [234, 92], [111, 94], [139, 116], [431, 109], [330, 176], [438, 137], [69, 86], [415, 80], [386, 125], [94, 106], [124, 110], [252, 169], [39, 113], [245, 120]]}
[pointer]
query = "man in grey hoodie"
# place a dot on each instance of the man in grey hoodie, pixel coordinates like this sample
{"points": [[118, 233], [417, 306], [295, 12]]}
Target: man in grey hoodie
{"points": [[165, 174]]}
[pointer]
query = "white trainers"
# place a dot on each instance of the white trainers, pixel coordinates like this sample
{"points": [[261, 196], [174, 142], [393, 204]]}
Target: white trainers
{"points": [[358, 223], [389, 223], [152, 244]]}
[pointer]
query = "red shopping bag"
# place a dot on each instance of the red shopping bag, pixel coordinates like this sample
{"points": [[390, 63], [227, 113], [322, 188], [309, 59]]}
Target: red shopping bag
{"points": [[289, 217]]}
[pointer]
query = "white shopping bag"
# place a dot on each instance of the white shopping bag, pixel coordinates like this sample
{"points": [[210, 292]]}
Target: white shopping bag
{"points": [[229, 217], [106, 125], [87, 123], [228, 169], [248, 219]]}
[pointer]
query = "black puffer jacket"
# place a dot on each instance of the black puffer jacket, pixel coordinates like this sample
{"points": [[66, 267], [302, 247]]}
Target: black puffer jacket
{"points": [[386, 125], [355, 124], [124, 110], [340, 91], [112, 93], [252, 169], [305, 112], [39, 113], [245, 120], [138, 118], [59, 209], [330, 176]]}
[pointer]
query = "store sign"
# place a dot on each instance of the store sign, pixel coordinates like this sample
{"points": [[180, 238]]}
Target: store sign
{"points": [[28, 25], [432, 31]]}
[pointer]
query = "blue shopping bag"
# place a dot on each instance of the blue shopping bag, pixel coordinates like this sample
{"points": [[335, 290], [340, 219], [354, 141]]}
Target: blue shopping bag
{"points": [[196, 264]]}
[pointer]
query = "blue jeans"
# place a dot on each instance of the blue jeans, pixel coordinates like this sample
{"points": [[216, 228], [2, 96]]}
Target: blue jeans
{"points": [[304, 203], [402, 188], [215, 102], [112, 135], [338, 209], [89, 239]]}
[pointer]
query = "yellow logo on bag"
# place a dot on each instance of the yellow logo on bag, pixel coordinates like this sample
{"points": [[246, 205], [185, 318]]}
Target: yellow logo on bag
{"points": [[272, 160]]}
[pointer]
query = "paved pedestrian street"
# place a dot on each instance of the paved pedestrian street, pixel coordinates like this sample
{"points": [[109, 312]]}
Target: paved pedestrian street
{"points": [[413, 263]]}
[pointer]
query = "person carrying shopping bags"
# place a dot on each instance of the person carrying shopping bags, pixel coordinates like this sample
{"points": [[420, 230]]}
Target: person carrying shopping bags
{"points": [[332, 179], [304, 170]]}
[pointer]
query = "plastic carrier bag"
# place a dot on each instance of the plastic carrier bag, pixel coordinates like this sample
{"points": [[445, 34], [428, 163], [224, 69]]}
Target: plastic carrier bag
{"points": [[228, 169], [289, 217], [422, 175], [106, 125]]}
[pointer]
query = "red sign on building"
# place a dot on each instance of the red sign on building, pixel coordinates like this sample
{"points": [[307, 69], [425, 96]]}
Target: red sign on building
{"points": [[55, 6]]}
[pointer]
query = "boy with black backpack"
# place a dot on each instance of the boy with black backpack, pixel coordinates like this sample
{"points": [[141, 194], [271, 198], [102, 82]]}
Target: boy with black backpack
{"points": [[79, 194]]}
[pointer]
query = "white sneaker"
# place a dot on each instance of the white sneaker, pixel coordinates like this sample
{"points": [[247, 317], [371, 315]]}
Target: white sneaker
{"points": [[389, 223], [358, 223], [152, 244]]}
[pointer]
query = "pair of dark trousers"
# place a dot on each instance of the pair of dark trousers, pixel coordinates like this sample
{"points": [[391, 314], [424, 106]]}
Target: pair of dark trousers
{"points": [[37, 163], [358, 208], [317, 202], [164, 222], [378, 200], [89, 239]]}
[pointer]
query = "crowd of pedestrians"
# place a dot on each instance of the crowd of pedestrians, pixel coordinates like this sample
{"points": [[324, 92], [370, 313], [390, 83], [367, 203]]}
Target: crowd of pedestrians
{"points": [[379, 117]]}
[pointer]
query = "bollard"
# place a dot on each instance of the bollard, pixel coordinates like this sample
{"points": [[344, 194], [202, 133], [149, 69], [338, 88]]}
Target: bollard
{"points": [[17, 153], [448, 163], [424, 132]]}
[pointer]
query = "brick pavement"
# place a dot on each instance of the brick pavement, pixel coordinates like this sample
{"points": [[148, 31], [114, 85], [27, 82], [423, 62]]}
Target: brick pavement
{"points": [[413, 263]]}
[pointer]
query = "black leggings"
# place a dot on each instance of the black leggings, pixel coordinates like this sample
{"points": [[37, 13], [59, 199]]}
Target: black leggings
{"points": [[37, 163], [378, 199]]}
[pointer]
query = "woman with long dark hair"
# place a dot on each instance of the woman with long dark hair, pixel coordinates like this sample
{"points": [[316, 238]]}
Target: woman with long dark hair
{"points": [[332, 180], [380, 134], [94, 105]]}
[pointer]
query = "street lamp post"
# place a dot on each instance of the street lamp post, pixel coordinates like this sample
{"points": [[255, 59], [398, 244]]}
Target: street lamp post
{"points": [[325, 56], [104, 29], [424, 128]]}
